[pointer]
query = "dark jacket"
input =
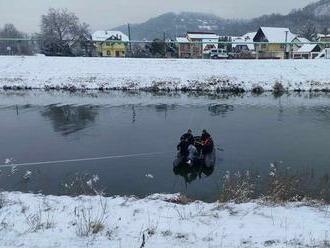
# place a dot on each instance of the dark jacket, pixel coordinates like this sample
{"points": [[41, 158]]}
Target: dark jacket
{"points": [[205, 136], [188, 137]]}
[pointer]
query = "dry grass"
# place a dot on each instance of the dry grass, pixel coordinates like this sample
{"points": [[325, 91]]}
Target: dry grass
{"points": [[180, 200], [282, 184], [91, 221], [237, 187], [39, 220], [2, 200]]}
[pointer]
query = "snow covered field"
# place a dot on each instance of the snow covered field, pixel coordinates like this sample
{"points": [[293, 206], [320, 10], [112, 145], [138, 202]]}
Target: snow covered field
{"points": [[28, 220], [95, 73]]}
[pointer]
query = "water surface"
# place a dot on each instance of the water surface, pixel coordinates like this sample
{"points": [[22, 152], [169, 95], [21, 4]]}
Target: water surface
{"points": [[254, 131]]}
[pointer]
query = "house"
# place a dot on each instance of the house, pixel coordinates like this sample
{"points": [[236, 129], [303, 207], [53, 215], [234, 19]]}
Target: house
{"points": [[273, 42], [110, 43], [197, 44], [243, 43], [307, 51], [323, 38]]}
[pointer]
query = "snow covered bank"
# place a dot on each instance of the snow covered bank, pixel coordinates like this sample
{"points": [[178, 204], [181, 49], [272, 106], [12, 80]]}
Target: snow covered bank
{"points": [[95, 73], [28, 220]]}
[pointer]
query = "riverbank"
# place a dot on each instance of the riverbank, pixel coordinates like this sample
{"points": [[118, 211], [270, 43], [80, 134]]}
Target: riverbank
{"points": [[157, 221], [41, 72]]}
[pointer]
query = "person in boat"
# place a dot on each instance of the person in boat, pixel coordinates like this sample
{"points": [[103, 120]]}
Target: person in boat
{"points": [[207, 143], [192, 154], [188, 137], [187, 146], [182, 147]]}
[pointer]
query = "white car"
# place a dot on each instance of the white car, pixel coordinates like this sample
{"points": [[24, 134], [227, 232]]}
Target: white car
{"points": [[218, 54]]}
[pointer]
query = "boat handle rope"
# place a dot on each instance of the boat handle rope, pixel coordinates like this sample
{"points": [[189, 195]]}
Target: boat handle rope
{"points": [[83, 159]]}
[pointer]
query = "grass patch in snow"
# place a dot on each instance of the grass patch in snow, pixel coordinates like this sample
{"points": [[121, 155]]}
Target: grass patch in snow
{"points": [[90, 219]]}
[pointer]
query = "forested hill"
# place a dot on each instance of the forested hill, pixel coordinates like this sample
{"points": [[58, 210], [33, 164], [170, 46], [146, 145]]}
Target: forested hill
{"points": [[314, 17]]}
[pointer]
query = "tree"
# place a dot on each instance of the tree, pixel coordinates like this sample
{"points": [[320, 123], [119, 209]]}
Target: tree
{"points": [[309, 31], [59, 30], [157, 48], [13, 45], [160, 48], [10, 31]]}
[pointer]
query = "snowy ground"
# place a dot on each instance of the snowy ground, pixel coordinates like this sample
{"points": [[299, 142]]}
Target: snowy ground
{"points": [[94, 73], [28, 220]]}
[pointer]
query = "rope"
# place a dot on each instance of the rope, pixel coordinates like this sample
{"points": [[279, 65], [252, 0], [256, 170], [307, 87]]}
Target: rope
{"points": [[83, 159]]}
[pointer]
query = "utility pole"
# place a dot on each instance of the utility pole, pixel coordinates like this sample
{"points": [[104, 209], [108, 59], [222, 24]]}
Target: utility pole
{"points": [[286, 45], [164, 39], [129, 38]]}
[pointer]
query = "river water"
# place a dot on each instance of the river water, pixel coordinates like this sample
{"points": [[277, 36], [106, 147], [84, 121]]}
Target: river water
{"points": [[252, 131]]}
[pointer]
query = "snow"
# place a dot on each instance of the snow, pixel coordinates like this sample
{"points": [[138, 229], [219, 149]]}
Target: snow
{"points": [[202, 36], [182, 39], [249, 36], [307, 48], [57, 221], [278, 35], [302, 39], [104, 35], [126, 73]]}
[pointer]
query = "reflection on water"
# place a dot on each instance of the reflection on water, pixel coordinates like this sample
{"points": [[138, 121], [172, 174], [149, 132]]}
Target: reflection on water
{"points": [[69, 119], [191, 174], [254, 131], [220, 109]]}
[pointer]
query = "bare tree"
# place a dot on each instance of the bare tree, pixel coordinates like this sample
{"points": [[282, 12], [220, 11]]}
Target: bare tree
{"points": [[309, 31], [13, 43], [10, 31], [60, 29]]}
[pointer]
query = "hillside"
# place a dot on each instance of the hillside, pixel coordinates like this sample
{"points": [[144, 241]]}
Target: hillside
{"points": [[313, 17]]}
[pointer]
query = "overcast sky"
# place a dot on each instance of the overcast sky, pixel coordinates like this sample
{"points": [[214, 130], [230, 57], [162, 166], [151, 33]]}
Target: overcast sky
{"points": [[105, 14]]}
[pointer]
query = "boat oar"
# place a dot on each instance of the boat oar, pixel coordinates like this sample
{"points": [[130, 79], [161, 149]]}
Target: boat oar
{"points": [[220, 149]]}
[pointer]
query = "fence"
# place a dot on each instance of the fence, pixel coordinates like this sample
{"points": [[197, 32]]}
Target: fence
{"points": [[167, 49]]}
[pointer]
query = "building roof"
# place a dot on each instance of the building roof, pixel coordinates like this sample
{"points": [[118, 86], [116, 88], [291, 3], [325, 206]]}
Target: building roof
{"points": [[249, 36], [182, 39], [302, 39], [323, 35], [307, 48], [202, 35], [103, 35], [278, 35]]}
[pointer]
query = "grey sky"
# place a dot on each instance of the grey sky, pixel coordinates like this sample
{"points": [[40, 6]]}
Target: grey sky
{"points": [[104, 14]]}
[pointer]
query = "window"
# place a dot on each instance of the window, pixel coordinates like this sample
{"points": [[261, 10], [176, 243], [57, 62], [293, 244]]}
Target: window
{"points": [[107, 43], [109, 53]]}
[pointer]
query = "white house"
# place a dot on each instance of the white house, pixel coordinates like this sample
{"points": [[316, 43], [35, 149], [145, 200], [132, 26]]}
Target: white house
{"points": [[307, 51], [242, 43]]}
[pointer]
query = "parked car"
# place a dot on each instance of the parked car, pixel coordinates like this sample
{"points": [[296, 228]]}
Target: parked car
{"points": [[219, 54]]}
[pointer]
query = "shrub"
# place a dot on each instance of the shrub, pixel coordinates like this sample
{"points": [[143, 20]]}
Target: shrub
{"points": [[257, 90], [237, 187], [278, 88]]}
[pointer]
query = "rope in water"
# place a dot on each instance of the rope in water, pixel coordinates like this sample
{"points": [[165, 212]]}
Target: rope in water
{"points": [[83, 159]]}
